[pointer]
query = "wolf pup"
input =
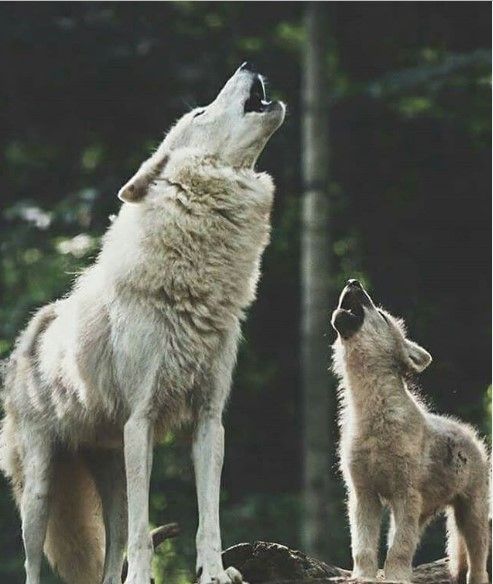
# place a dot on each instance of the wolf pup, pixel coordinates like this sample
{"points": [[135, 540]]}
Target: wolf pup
{"points": [[145, 341], [395, 452]]}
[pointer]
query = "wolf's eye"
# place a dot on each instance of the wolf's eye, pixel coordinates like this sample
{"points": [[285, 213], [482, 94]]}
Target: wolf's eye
{"points": [[199, 113]]}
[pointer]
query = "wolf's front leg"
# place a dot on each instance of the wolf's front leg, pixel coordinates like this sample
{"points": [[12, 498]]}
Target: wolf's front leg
{"points": [[138, 439], [365, 512], [208, 452], [405, 516]]}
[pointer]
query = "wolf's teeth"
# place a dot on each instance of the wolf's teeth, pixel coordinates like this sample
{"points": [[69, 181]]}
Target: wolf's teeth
{"points": [[263, 87]]}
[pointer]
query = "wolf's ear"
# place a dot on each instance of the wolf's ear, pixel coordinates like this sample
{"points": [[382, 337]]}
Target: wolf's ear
{"points": [[134, 190], [137, 187], [417, 358]]}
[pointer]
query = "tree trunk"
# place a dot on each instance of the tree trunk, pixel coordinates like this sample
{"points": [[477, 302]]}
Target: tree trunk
{"points": [[315, 272], [263, 562]]}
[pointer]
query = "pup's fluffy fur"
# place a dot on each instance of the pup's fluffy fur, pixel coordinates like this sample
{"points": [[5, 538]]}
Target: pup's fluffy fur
{"points": [[395, 452], [145, 341]]}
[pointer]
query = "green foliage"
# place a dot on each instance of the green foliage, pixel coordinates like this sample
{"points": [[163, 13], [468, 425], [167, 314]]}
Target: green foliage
{"points": [[487, 412]]}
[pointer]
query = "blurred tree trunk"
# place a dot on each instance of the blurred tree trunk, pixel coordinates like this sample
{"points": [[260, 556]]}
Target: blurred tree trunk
{"points": [[315, 273]]}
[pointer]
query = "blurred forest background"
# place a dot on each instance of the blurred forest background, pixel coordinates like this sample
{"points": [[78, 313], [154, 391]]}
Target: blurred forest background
{"points": [[87, 90]]}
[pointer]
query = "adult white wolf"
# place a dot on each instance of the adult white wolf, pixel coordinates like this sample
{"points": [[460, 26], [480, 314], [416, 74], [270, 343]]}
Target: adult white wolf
{"points": [[395, 452], [146, 340]]}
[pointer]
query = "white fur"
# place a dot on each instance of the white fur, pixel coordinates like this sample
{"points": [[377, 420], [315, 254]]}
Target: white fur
{"points": [[145, 341]]}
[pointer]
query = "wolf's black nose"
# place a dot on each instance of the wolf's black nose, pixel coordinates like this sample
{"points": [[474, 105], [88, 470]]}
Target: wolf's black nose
{"points": [[247, 66], [353, 282]]}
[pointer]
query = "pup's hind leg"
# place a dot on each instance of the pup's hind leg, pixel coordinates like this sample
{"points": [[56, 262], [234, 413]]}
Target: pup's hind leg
{"points": [[37, 465], [108, 469], [471, 515]]}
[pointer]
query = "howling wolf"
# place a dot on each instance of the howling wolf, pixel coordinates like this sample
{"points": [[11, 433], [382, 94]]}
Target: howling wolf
{"points": [[395, 452], [145, 341]]}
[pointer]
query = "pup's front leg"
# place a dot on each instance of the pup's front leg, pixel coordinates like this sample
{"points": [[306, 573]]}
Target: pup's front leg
{"points": [[406, 513], [138, 441], [208, 452], [365, 512]]}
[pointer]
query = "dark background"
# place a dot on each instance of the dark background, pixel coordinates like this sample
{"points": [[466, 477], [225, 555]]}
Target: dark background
{"points": [[88, 89]]}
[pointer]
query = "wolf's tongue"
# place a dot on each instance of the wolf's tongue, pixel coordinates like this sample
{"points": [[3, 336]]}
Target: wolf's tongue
{"points": [[253, 104]]}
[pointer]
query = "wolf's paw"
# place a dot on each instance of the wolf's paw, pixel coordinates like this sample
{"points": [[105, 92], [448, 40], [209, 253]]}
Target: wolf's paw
{"points": [[229, 576]]}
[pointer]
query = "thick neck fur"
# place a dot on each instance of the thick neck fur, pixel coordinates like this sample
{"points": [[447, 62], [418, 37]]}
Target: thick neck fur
{"points": [[370, 392], [194, 243]]}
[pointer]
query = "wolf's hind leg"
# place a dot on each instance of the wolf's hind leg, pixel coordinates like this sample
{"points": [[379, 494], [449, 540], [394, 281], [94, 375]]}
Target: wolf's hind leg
{"points": [[108, 470], [34, 506], [471, 516], [365, 513]]}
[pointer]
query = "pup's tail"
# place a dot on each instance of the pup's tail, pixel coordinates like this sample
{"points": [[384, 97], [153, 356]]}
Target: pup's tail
{"points": [[75, 539], [456, 549]]}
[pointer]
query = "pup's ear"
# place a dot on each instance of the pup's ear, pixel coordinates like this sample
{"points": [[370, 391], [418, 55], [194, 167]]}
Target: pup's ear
{"points": [[417, 358], [134, 190]]}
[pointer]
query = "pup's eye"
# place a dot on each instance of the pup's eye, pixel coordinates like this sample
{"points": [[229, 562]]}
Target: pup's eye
{"points": [[382, 314], [199, 113]]}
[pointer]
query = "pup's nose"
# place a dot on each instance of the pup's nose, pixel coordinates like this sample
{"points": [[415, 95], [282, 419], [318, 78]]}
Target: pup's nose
{"points": [[353, 282], [247, 66]]}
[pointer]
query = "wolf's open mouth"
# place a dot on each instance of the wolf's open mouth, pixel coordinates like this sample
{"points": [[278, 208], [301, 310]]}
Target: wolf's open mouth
{"points": [[257, 101]]}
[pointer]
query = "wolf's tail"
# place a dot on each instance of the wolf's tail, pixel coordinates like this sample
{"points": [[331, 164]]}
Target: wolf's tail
{"points": [[75, 540]]}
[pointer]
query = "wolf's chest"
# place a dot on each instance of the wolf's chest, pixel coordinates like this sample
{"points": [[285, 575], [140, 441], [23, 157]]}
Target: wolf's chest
{"points": [[168, 344]]}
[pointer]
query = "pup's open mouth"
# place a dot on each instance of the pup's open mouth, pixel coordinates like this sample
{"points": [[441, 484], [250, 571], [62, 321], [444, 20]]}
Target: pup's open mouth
{"points": [[351, 303], [257, 100], [348, 317]]}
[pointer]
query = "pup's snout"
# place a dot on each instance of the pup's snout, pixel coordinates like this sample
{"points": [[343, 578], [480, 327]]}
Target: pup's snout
{"points": [[355, 283], [247, 66]]}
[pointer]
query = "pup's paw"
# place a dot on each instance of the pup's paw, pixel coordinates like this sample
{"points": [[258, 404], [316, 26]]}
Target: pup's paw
{"points": [[401, 576], [229, 576]]}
